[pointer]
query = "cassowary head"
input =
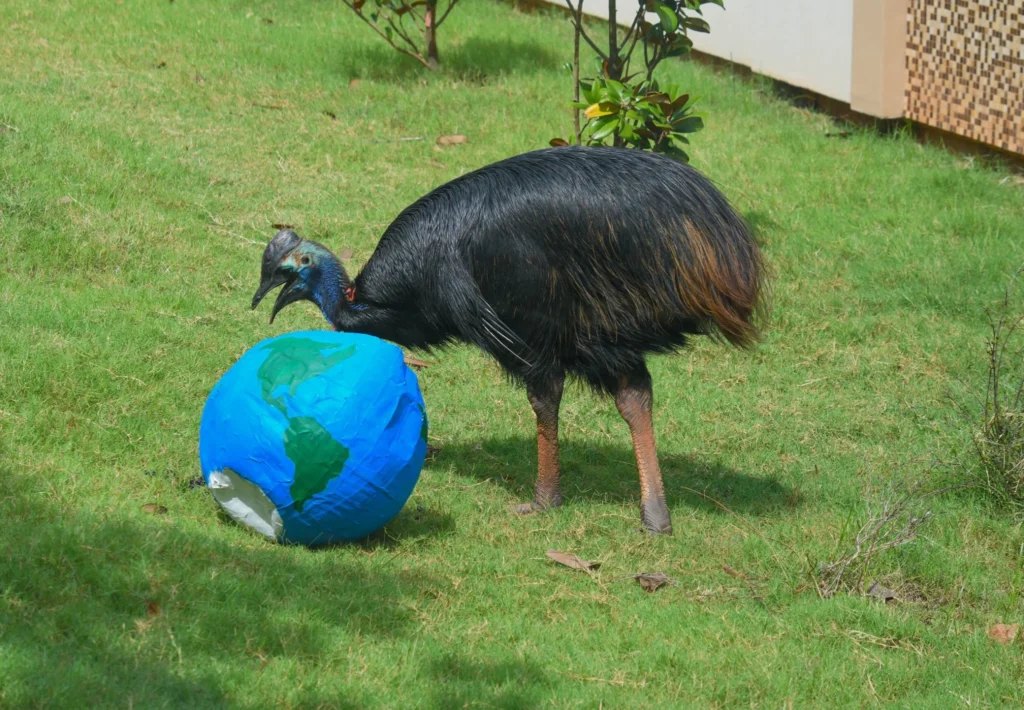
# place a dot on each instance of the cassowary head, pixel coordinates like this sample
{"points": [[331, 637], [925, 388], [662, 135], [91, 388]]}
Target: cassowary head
{"points": [[308, 270]]}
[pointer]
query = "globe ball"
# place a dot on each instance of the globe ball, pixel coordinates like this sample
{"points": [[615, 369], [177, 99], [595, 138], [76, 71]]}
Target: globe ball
{"points": [[314, 437]]}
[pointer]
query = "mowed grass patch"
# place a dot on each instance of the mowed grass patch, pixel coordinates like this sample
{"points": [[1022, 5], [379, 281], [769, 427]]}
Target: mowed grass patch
{"points": [[147, 150]]}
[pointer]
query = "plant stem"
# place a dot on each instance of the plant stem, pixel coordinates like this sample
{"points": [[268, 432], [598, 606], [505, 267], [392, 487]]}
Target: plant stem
{"points": [[613, 44], [578, 20], [430, 33]]}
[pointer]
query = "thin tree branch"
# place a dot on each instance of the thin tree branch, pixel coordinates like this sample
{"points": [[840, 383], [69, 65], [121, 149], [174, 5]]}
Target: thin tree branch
{"points": [[576, 73], [398, 30], [450, 6], [632, 28], [419, 58], [583, 32], [629, 54]]}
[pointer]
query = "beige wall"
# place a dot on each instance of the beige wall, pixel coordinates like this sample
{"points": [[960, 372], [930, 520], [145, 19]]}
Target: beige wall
{"points": [[806, 43]]}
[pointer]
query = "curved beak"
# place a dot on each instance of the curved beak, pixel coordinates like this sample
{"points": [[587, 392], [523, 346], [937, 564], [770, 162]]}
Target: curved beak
{"points": [[267, 284], [295, 290]]}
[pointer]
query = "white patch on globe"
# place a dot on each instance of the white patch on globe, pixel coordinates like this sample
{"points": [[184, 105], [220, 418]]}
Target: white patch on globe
{"points": [[246, 503]]}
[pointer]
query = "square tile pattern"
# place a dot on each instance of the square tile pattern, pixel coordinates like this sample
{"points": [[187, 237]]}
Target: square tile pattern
{"points": [[965, 68]]}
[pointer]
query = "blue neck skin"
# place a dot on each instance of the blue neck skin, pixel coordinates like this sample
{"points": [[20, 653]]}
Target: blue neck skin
{"points": [[328, 291]]}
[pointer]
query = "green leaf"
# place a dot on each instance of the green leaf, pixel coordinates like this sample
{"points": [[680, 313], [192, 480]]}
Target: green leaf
{"points": [[667, 16], [696, 24], [689, 125], [616, 90], [678, 103], [604, 127]]}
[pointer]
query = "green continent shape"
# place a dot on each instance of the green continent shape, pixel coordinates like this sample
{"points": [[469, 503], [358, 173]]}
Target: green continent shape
{"points": [[291, 362], [317, 455]]}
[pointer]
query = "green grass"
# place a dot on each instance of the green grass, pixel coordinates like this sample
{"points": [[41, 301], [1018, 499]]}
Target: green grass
{"points": [[134, 203]]}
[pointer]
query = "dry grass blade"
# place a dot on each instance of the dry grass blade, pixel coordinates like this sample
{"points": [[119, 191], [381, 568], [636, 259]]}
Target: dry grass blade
{"points": [[572, 561], [893, 519]]}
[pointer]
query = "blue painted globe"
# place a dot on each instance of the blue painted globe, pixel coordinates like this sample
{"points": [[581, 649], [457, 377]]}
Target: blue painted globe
{"points": [[314, 437]]}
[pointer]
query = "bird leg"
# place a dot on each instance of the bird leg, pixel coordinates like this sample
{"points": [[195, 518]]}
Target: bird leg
{"points": [[545, 400], [635, 402]]}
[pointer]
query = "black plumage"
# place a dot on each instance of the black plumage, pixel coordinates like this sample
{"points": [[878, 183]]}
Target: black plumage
{"points": [[566, 261]]}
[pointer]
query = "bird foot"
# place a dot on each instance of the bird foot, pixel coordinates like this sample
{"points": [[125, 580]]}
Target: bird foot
{"points": [[535, 507], [656, 518]]}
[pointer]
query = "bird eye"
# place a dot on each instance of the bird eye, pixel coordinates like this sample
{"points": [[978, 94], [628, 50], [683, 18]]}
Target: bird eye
{"points": [[305, 261]]}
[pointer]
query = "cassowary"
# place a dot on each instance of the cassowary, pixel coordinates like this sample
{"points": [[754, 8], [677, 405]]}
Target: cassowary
{"points": [[565, 261]]}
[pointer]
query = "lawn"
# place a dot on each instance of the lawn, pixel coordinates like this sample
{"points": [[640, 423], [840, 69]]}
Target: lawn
{"points": [[146, 149]]}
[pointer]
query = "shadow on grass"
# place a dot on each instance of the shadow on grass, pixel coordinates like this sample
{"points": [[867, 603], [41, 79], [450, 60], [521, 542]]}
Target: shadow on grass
{"points": [[457, 682], [475, 61], [96, 608], [602, 472]]}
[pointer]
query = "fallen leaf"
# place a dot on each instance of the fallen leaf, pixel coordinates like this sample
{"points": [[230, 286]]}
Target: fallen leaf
{"points": [[161, 65], [651, 581], [572, 561], [282, 225], [267, 21], [152, 608], [415, 362], [733, 572], [154, 509], [1003, 633], [353, 83], [66, 200], [451, 140], [558, 142], [197, 482], [200, 79], [877, 591], [330, 114], [345, 254]]}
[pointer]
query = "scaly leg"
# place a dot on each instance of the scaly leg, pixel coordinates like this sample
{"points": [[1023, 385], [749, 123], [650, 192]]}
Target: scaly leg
{"points": [[545, 399], [634, 400]]}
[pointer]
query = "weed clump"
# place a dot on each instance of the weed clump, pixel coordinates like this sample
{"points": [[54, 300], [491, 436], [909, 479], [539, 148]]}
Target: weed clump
{"points": [[996, 420]]}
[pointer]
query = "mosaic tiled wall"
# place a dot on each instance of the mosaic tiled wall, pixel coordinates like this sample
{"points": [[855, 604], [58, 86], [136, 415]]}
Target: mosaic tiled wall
{"points": [[965, 68]]}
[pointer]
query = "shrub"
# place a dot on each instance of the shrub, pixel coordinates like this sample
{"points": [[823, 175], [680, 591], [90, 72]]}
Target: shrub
{"points": [[996, 420], [627, 109], [401, 22]]}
